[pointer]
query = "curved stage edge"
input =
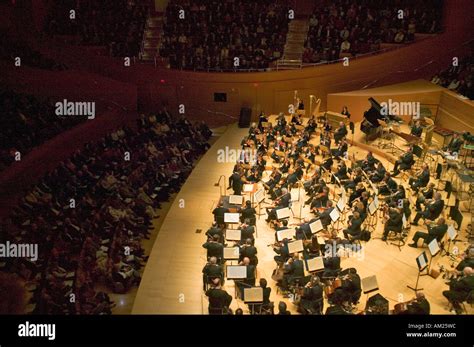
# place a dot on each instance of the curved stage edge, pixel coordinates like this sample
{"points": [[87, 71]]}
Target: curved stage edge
{"points": [[172, 281]]}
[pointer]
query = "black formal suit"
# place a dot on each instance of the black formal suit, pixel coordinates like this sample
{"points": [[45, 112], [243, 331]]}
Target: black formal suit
{"points": [[425, 195], [219, 300], [312, 300], [437, 232], [210, 272], [214, 249], [247, 214], [354, 229], [236, 183], [420, 181], [416, 131], [378, 174], [219, 214], [459, 290], [389, 188], [325, 216], [455, 145], [431, 212], [404, 163], [293, 271], [394, 223], [420, 306], [249, 252], [340, 133]]}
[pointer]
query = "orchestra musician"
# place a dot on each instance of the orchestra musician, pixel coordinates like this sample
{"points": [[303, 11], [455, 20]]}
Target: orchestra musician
{"points": [[434, 232], [388, 185], [460, 289], [340, 133], [341, 172], [368, 164], [219, 299], [211, 271], [236, 183], [416, 129], [248, 250], [281, 202], [262, 119], [454, 145], [421, 180], [425, 195], [353, 226], [249, 280], [345, 112], [433, 209], [355, 179], [320, 200], [214, 247], [378, 174], [357, 193], [312, 297], [294, 269], [395, 198], [247, 214], [418, 306], [219, 212], [325, 215], [405, 162], [281, 249], [393, 221], [216, 229], [340, 150]]}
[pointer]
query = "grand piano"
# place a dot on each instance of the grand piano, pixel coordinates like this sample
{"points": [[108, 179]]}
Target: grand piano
{"points": [[370, 124]]}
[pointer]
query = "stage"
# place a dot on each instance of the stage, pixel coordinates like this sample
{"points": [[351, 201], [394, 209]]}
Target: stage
{"points": [[172, 280]]}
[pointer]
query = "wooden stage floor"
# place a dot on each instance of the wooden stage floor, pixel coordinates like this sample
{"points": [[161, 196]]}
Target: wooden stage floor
{"points": [[172, 281]]}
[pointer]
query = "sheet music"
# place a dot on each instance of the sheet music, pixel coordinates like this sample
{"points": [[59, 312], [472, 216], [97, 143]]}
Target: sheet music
{"points": [[283, 213], [286, 234], [295, 194], [376, 200], [295, 246], [248, 188], [259, 195], [231, 252], [404, 220], [372, 208], [369, 284], [315, 264], [231, 217], [334, 215], [433, 246], [236, 272], [316, 226], [236, 199], [233, 234], [341, 204], [254, 294], [452, 233], [422, 261]]}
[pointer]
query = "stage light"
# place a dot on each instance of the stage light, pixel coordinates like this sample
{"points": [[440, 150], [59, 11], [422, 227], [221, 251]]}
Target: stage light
{"points": [[162, 81]]}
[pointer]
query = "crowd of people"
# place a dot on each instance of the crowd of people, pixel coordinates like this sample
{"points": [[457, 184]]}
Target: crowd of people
{"points": [[348, 28], [458, 78], [89, 215], [209, 35], [11, 49], [27, 122], [117, 24]]}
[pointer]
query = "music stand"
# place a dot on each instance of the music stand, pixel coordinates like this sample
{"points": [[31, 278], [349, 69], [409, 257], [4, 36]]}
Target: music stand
{"points": [[422, 262], [259, 196], [295, 246], [285, 234], [316, 226], [231, 218], [283, 213], [434, 249], [452, 234], [335, 217], [369, 284], [253, 296]]}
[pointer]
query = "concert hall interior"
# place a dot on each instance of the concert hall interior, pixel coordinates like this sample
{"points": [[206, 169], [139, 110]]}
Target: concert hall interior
{"points": [[230, 157]]}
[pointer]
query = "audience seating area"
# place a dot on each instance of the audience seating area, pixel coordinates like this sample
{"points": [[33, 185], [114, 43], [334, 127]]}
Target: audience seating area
{"points": [[26, 122], [117, 184], [458, 78], [117, 24], [348, 28], [12, 48], [214, 32]]}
